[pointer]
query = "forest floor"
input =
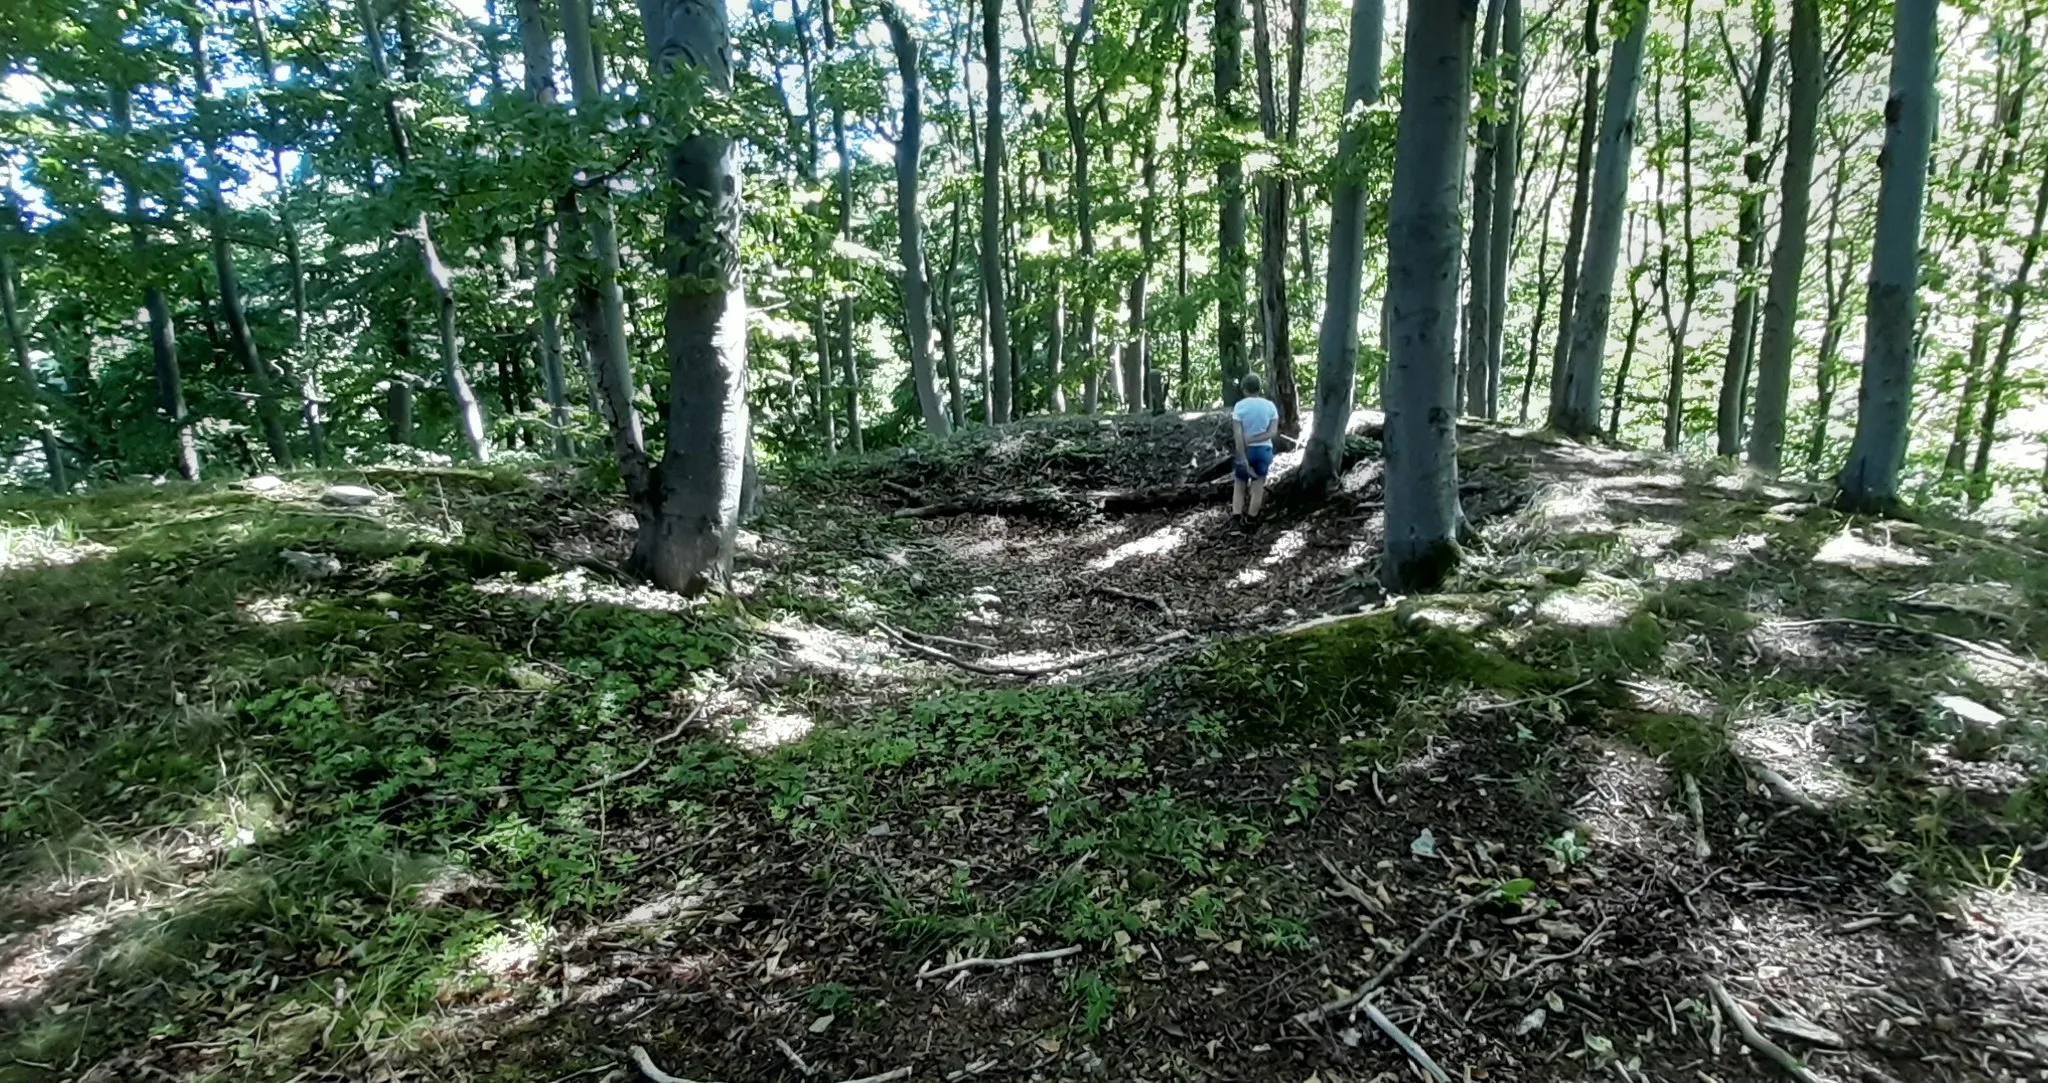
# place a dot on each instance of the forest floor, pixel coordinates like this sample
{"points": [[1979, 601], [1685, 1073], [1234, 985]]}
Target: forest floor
{"points": [[414, 790]]}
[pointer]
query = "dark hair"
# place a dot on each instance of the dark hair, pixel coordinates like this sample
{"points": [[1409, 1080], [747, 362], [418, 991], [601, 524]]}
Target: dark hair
{"points": [[1252, 385]]}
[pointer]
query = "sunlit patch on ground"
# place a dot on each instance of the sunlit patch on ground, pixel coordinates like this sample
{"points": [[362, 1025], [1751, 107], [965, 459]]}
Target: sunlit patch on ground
{"points": [[578, 587], [1159, 543], [1788, 739], [1624, 799], [272, 609], [1853, 549], [1290, 544], [29, 960], [771, 727], [1665, 695], [813, 646], [50, 546], [1594, 604]]}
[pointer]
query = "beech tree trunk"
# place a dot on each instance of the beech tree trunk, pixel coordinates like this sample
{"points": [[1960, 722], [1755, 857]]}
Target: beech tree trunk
{"points": [[1479, 260], [1228, 29], [17, 340], [537, 50], [917, 311], [689, 508], [1788, 261], [1140, 384], [1275, 333], [1423, 235], [163, 338], [1337, 345], [993, 255], [1582, 196], [1506, 207], [2008, 337], [1749, 228], [1084, 222], [1577, 410], [1836, 285], [469, 411], [1869, 481], [1678, 326], [312, 400]]}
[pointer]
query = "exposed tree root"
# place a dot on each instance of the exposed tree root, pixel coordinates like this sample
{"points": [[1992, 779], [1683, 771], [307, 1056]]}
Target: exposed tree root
{"points": [[1753, 1038], [988, 670]]}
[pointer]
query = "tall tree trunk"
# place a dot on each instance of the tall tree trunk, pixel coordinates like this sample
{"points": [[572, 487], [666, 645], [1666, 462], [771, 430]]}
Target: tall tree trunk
{"points": [[1836, 287], [1471, 392], [1678, 327], [1638, 309], [1582, 196], [827, 398], [1870, 479], [1228, 29], [849, 366], [163, 339], [469, 412], [689, 510], [917, 310], [1140, 386], [1275, 323], [949, 321], [240, 337], [1084, 216], [1578, 409], [2008, 336], [993, 255], [1422, 515], [1506, 206], [1184, 385], [537, 49], [17, 340], [1749, 229], [312, 404], [1337, 344], [1788, 260]]}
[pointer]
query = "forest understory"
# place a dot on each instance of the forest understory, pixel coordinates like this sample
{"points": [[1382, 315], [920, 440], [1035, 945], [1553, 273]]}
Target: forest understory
{"points": [[394, 781]]}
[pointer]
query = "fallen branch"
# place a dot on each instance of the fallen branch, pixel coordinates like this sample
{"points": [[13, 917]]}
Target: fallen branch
{"points": [[1402, 1039], [1701, 848], [1933, 606], [1129, 596], [1591, 939], [1781, 787], [654, 1074], [1323, 1011], [1537, 698], [795, 1061], [988, 670], [1996, 654], [1024, 506], [621, 776], [970, 644], [979, 963], [902, 490], [1753, 1038], [1161, 497]]}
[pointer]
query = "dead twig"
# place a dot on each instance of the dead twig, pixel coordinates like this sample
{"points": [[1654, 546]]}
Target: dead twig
{"points": [[1345, 1003], [1401, 1038], [1129, 596], [795, 1061], [621, 776], [655, 1075], [1701, 848], [979, 963], [1781, 787], [1537, 698], [969, 644], [1027, 671], [1591, 939], [1754, 1039]]}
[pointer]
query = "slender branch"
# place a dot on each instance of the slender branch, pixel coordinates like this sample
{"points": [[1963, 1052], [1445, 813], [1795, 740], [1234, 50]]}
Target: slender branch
{"points": [[1406, 1043], [979, 963], [1752, 1038]]}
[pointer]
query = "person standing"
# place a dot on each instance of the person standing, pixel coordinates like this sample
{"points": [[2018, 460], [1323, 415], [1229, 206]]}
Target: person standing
{"points": [[1254, 421]]}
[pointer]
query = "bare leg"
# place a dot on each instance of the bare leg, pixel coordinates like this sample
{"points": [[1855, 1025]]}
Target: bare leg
{"points": [[1258, 497], [1238, 496]]}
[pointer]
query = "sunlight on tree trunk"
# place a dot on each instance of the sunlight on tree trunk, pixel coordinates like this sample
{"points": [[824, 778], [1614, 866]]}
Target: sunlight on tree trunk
{"points": [[1788, 261], [910, 228]]}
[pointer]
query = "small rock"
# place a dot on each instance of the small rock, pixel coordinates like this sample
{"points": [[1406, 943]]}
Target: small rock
{"points": [[311, 565], [1532, 1022], [983, 598], [264, 483], [349, 496]]}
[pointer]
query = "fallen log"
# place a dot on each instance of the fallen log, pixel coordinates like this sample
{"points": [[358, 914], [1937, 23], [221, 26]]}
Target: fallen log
{"points": [[1028, 506]]}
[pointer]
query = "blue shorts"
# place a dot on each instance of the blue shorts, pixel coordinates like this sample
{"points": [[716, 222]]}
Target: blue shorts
{"points": [[1260, 460]]}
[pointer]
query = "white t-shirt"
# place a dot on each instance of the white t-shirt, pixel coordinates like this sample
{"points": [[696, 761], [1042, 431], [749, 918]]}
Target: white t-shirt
{"points": [[1256, 415]]}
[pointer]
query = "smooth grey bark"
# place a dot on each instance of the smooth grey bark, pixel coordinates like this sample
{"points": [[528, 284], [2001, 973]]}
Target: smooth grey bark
{"points": [[1337, 344], [599, 304], [537, 50], [1076, 114], [1788, 260], [2008, 336], [1543, 282], [1140, 384], [312, 400], [1479, 259], [1577, 408], [1001, 388], [691, 515], [949, 322], [242, 340], [468, 410], [1638, 310], [1183, 388], [1582, 196], [828, 418], [1749, 228], [1276, 337], [1506, 206], [1836, 284], [1423, 235], [1678, 325], [1869, 481], [163, 338], [917, 308], [842, 335], [1228, 31], [17, 341]]}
